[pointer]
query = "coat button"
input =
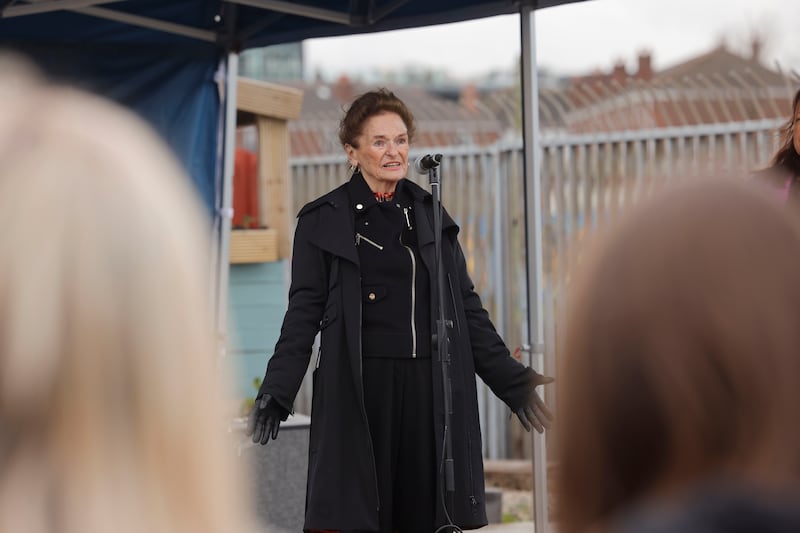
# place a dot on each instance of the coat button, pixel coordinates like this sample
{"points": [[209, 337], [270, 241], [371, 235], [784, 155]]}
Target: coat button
{"points": [[371, 296], [359, 206]]}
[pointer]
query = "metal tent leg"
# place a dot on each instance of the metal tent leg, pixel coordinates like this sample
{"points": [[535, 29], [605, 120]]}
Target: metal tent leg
{"points": [[533, 232], [226, 207]]}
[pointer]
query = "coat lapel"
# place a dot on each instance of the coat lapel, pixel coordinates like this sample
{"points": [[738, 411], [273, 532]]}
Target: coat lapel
{"points": [[329, 234], [423, 205], [423, 216]]}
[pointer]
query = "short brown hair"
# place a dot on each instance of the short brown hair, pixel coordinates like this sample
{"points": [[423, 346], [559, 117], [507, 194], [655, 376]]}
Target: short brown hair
{"points": [[680, 352], [368, 105], [786, 156]]}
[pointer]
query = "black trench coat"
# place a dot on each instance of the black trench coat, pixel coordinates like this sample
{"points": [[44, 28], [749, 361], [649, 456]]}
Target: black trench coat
{"points": [[325, 294]]}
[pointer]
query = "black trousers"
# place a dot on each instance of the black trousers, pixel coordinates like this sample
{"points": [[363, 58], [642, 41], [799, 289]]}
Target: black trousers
{"points": [[398, 395]]}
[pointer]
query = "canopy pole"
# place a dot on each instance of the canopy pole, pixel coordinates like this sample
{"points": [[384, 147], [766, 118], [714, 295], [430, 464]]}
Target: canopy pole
{"points": [[226, 207], [533, 244]]}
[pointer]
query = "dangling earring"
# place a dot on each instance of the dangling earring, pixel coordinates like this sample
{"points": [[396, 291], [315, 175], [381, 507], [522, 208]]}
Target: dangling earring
{"points": [[353, 167]]}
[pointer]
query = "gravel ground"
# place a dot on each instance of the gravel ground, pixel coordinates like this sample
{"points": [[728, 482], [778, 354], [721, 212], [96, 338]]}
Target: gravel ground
{"points": [[517, 506]]}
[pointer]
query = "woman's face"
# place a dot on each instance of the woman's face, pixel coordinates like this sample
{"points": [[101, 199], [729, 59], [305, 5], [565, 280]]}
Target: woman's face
{"points": [[796, 129], [382, 153]]}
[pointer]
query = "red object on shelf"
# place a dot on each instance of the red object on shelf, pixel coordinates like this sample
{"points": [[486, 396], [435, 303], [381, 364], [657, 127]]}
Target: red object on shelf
{"points": [[245, 189]]}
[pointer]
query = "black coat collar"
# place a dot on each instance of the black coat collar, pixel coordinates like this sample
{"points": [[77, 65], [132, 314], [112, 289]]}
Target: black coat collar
{"points": [[334, 230]]}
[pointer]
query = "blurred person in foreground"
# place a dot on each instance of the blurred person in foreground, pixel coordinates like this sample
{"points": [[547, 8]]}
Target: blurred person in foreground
{"points": [[680, 377], [107, 357], [783, 172], [363, 274]]}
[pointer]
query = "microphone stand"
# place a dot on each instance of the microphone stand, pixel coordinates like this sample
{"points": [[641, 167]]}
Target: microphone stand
{"points": [[441, 337]]}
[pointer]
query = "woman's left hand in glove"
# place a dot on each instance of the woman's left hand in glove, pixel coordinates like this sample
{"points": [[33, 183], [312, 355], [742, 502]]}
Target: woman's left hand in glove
{"points": [[534, 413]]}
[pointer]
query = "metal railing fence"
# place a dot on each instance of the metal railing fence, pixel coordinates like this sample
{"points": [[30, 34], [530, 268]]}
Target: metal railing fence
{"points": [[587, 180]]}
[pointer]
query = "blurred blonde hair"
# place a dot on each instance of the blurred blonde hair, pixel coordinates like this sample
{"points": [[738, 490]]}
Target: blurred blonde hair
{"points": [[110, 396], [680, 361]]}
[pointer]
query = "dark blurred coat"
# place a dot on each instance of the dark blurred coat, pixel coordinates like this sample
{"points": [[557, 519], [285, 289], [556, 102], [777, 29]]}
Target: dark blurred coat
{"points": [[325, 294], [723, 508]]}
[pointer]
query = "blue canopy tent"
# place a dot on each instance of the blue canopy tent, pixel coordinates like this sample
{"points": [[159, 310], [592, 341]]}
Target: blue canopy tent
{"points": [[168, 59]]}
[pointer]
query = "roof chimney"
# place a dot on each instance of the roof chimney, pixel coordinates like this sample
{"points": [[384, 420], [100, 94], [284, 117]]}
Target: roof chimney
{"points": [[469, 97], [756, 46], [645, 72], [618, 74], [343, 91]]}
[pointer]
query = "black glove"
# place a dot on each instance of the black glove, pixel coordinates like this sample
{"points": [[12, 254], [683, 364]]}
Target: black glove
{"points": [[265, 419], [534, 412]]}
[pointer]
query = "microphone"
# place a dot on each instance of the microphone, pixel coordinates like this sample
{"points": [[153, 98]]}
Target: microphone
{"points": [[426, 162]]}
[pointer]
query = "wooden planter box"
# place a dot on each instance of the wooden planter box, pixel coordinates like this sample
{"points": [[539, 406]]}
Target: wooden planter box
{"points": [[254, 245]]}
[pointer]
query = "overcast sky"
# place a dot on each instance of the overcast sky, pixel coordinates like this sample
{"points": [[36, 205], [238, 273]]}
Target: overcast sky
{"points": [[573, 39]]}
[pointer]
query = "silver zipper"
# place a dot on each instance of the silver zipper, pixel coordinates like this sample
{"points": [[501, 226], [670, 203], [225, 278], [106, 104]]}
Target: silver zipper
{"points": [[408, 221], [413, 298], [319, 355], [360, 238]]}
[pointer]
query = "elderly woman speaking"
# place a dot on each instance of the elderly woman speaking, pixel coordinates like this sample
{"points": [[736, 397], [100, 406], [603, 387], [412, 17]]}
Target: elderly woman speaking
{"points": [[363, 274]]}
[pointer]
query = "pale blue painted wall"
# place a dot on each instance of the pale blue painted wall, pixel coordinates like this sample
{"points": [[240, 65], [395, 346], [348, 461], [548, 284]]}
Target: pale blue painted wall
{"points": [[257, 300]]}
